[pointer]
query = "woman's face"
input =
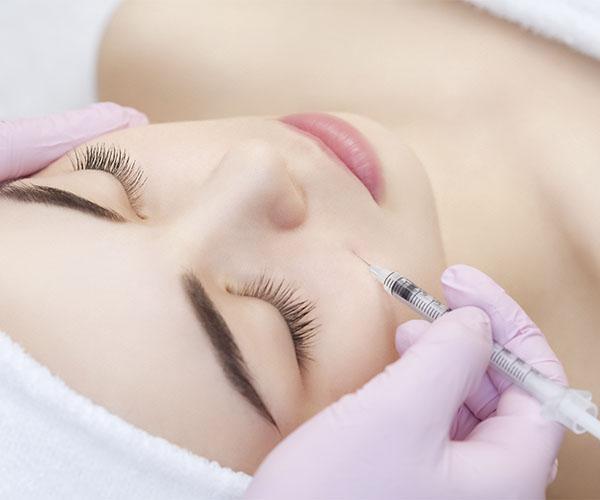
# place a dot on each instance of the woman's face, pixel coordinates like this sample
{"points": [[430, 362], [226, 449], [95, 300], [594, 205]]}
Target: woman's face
{"points": [[120, 309]]}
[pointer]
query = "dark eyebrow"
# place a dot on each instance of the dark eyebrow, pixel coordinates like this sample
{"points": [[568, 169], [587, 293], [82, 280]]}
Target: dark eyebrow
{"points": [[227, 351], [31, 193]]}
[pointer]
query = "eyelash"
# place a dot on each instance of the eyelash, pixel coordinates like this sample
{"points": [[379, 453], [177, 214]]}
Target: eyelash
{"points": [[116, 162], [295, 311]]}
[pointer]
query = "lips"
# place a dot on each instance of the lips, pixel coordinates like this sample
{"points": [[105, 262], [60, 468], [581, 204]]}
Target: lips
{"points": [[347, 143]]}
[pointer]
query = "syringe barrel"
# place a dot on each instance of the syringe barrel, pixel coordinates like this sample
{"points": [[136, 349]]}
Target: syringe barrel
{"points": [[430, 308], [416, 298], [511, 365], [572, 408]]}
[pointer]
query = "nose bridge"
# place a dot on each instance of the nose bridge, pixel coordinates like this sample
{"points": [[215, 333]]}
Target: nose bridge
{"points": [[251, 189]]}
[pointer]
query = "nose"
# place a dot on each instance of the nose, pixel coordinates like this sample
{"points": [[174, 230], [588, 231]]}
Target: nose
{"points": [[252, 182], [251, 189]]}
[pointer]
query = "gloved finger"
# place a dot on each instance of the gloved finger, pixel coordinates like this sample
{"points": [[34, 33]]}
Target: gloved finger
{"points": [[27, 145], [434, 376], [409, 332], [481, 403], [511, 327], [518, 422], [525, 434], [463, 424]]}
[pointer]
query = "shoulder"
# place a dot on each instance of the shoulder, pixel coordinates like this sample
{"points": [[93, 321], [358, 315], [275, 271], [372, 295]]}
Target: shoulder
{"points": [[566, 174]]}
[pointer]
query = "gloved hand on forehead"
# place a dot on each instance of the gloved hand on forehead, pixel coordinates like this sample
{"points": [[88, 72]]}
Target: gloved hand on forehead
{"points": [[28, 145], [393, 438]]}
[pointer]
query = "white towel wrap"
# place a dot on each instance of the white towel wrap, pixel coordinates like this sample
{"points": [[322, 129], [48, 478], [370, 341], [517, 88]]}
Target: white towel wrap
{"points": [[57, 444], [575, 23]]}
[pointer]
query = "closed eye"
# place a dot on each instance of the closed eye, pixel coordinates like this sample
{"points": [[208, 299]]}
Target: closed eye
{"points": [[296, 312], [116, 162]]}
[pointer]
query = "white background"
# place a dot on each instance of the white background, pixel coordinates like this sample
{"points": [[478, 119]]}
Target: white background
{"points": [[48, 52]]}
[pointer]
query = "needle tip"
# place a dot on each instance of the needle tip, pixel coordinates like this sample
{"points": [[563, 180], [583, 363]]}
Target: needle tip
{"points": [[361, 258]]}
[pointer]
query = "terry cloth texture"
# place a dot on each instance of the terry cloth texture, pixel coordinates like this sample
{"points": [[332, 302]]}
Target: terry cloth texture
{"points": [[575, 23], [57, 444]]}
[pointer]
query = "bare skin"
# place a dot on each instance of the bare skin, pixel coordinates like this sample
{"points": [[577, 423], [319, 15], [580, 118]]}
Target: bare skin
{"points": [[505, 124]]}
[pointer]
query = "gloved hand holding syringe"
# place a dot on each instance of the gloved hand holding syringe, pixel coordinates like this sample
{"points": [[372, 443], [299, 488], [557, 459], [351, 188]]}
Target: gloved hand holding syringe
{"points": [[572, 408], [435, 423]]}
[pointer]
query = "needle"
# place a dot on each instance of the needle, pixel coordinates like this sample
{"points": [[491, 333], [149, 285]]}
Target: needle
{"points": [[361, 258]]}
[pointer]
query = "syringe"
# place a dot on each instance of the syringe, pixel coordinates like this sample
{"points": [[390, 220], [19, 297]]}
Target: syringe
{"points": [[571, 407]]}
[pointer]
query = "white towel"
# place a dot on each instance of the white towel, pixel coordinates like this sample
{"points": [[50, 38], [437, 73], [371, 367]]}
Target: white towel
{"points": [[57, 444], [575, 23]]}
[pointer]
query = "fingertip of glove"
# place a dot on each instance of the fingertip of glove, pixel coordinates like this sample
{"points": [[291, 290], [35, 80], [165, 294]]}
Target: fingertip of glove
{"points": [[107, 106], [464, 285], [467, 330], [473, 318], [409, 332], [136, 118], [132, 117], [458, 274]]}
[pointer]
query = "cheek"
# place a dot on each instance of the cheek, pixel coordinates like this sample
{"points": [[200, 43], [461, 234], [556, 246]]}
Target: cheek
{"points": [[113, 324], [368, 347], [356, 346]]}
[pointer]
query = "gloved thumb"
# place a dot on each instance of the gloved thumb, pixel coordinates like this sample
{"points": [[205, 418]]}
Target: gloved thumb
{"points": [[436, 373], [408, 333]]}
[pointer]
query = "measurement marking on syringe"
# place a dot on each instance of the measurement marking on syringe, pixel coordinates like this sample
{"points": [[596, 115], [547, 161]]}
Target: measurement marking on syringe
{"points": [[510, 364]]}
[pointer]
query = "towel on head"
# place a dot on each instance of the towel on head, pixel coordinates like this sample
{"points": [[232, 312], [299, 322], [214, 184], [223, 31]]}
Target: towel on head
{"points": [[575, 23], [57, 444]]}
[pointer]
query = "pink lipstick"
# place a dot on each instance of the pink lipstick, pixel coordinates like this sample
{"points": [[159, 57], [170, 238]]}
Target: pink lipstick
{"points": [[346, 142]]}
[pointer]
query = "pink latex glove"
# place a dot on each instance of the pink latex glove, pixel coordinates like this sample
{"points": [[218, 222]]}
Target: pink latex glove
{"points": [[391, 438], [28, 145]]}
